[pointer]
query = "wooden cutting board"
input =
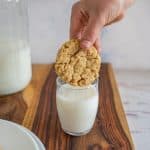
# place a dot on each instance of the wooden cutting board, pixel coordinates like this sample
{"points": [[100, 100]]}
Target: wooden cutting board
{"points": [[35, 108]]}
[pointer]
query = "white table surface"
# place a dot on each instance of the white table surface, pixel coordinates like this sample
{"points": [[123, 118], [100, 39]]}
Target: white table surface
{"points": [[134, 89]]}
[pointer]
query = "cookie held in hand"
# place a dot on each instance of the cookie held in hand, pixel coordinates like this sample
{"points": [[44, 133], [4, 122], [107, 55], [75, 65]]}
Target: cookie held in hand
{"points": [[77, 66]]}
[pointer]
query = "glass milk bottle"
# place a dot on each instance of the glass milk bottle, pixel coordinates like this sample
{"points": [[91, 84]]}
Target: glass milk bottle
{"points": [[15, 58]]}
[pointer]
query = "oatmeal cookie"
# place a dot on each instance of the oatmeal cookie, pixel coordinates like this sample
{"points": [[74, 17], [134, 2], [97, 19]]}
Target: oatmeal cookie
{"points": [[77, 66]]}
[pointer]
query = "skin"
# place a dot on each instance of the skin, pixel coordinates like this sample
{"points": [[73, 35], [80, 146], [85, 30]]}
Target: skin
{"points": [[88, 17]]}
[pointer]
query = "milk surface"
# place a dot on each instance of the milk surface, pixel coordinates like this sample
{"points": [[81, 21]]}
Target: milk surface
{"points": [[15, 67], [77, 108]]}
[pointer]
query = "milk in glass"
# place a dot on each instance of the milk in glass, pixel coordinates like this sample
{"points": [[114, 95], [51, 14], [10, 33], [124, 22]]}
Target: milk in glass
{"points": [[77, 107]]}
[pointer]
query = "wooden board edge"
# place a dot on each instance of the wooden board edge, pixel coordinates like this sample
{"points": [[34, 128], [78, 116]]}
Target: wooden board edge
{"points": [[119, 107]]}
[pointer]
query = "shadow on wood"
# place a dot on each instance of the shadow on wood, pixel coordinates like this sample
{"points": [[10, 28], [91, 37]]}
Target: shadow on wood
{"points": [[13, 107]]}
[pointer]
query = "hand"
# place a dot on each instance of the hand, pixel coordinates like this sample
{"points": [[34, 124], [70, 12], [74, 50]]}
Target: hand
{"points": [[90, 16]]}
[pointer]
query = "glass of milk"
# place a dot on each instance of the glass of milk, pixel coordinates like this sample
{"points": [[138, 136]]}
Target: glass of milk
{"points": [[77, 107], [15, 57]]}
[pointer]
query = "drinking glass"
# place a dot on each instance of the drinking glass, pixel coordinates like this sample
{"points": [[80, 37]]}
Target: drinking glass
{"points": [[77, 107]]}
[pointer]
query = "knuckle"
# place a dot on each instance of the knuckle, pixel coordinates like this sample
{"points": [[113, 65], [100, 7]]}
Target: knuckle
{"points": [[90, 37], [75, 6]]}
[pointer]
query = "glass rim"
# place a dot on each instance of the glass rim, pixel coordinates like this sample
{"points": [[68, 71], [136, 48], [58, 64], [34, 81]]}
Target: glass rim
{"points": [[60, 82]]}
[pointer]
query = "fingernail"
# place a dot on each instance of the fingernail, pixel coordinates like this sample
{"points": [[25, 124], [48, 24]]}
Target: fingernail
{"points": [[85, 44]]}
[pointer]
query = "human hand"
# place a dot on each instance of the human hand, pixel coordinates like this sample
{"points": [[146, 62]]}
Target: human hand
{"points": [[90, 16]]}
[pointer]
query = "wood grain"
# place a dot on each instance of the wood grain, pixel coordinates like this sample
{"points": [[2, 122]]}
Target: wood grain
{"points": [[36, 109], [10, 107], [32, 93]]}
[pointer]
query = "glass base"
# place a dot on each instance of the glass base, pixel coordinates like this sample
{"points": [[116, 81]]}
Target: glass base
{"points": [[77, 133]]}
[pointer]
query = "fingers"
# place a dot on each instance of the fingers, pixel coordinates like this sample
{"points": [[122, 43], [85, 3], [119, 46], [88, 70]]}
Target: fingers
{"points": [[91, 32], [86, 28], [75, 23], [97, 44], [120, 17]]}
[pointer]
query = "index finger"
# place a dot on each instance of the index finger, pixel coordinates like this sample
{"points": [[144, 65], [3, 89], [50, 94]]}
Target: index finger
{"points": [[75, 21]]}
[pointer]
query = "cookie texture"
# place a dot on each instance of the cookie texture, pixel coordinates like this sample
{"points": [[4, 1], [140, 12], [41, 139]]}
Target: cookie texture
{"points": [[77, 66]]}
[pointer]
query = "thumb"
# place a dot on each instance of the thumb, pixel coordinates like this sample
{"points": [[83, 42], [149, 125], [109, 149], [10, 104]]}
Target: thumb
{"points": [[91, 32]]}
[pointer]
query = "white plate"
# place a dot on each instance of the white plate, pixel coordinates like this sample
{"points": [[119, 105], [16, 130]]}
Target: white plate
{"points": [[14, 138], [40, 144]]}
